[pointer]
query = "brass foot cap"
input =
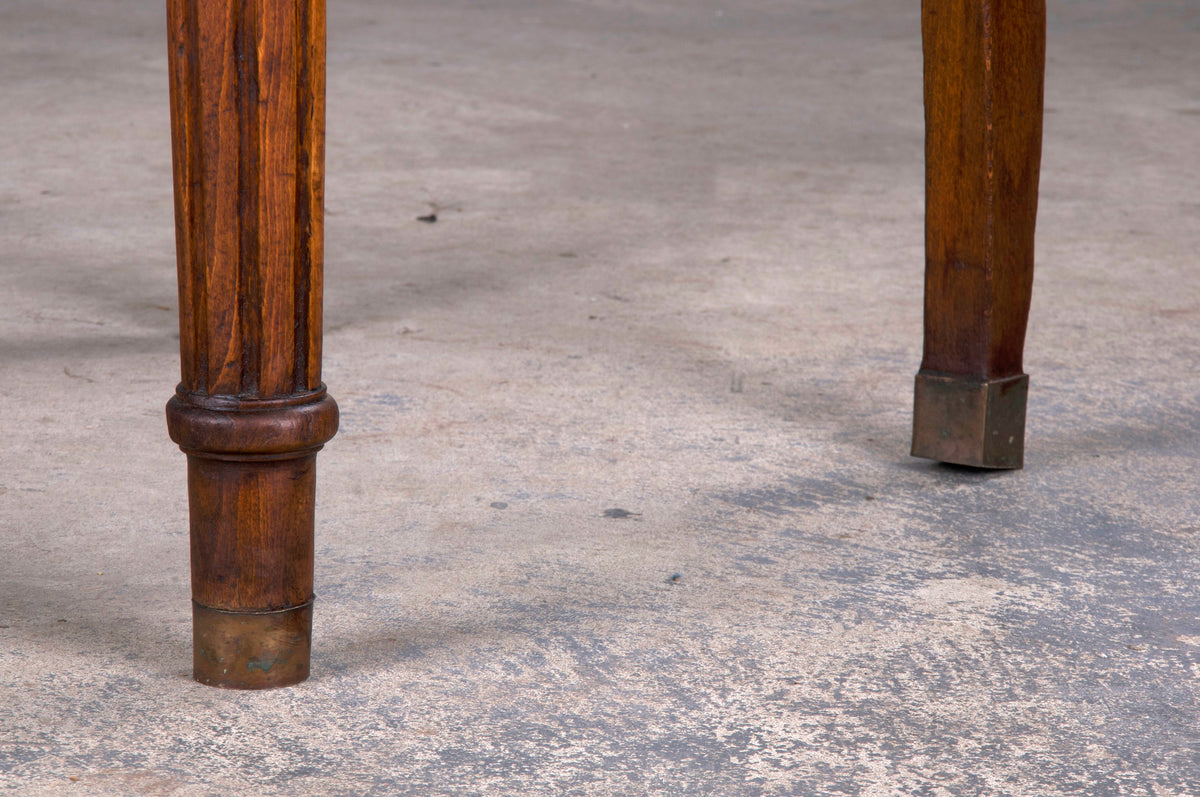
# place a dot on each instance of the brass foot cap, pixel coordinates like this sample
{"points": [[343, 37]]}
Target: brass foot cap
{"points": [[975, 422], [251, 650]]}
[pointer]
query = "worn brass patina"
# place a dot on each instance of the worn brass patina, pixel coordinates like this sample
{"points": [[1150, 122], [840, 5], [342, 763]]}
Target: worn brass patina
{"points": [[251, 650]]}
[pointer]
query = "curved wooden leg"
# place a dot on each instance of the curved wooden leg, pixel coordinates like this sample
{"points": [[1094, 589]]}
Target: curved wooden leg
{"points": [[984, 67], [247, 120]]}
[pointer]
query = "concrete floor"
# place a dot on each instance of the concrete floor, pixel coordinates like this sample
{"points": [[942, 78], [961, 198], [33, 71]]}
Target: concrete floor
{"points": [[677, 272]]}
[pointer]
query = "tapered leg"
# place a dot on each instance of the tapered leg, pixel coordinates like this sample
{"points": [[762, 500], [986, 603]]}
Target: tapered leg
{"points": [[247, 120], [984, 67]]}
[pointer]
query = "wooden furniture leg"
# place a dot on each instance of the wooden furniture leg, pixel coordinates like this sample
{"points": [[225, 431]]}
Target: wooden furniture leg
{"points": [[984, 67], [247, 121]]}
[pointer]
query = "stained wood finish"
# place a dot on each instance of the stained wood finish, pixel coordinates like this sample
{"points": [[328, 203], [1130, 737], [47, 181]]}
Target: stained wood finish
{"points": [[247, 120], [984, 67]]}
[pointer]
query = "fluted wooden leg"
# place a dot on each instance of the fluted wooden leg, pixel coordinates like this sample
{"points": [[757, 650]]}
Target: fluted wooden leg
{"points": [[984, 66], [247, 120]]}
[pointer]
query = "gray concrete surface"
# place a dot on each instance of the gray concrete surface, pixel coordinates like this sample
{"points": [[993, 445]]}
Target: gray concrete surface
{"points": [[677, 272]]}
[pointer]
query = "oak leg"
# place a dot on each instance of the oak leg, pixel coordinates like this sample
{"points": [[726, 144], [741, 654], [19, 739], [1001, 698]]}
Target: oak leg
{"points": [[984, 67], [247, 121]]}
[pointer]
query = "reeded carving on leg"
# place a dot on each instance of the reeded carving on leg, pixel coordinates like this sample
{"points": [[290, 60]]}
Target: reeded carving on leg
{"points": [[247, 118]]}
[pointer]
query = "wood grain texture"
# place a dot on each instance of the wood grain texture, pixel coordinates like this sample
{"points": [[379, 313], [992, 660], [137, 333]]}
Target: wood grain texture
{"points": [[984, 73], [247, 119], [984, 66], [254, 553], [247, 111]]}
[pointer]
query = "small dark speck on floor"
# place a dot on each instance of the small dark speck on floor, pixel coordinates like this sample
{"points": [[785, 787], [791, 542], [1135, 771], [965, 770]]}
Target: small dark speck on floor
{"points": [[498, 505], [620, 513], [675, 578], [430, 219]]}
